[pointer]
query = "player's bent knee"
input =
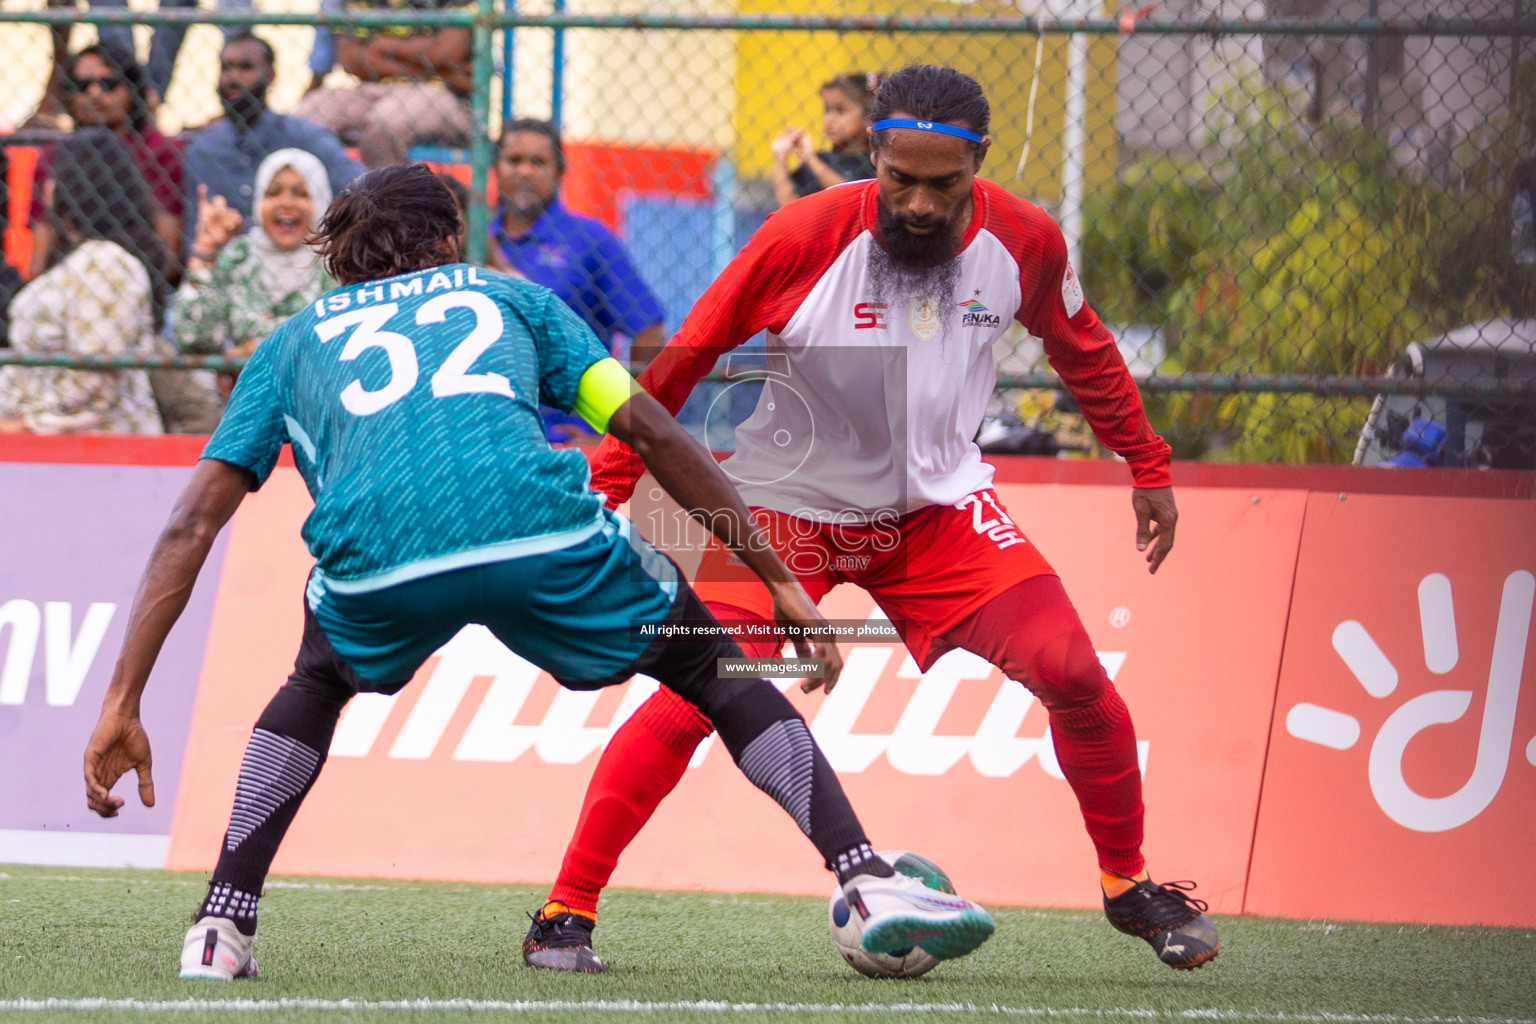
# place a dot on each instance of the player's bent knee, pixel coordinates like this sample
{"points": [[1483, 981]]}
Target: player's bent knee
{"points": [[1066, 673], [1102, 715], [305, 712], [673, 720]]}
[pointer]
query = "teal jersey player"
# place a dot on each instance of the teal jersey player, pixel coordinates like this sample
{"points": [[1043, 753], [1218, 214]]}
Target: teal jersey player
{"points": [[410, 398], [411, 404]]}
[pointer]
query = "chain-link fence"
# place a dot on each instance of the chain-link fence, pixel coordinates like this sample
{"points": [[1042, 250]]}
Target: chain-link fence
{"points": [[1308, 225]]}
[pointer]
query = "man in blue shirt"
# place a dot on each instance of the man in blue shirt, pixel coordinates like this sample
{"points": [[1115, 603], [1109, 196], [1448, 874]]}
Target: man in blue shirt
{"points": [[409, 397], [576, 257], [224, 156]]}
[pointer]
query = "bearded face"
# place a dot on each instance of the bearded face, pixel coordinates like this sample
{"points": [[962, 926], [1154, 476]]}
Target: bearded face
{"points": [[925, 181], [924, 266], [244, 77], [918, 241]]}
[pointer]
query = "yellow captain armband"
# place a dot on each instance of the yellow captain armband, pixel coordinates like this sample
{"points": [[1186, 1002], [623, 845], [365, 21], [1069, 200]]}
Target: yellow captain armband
{"points": [[604, 387]]}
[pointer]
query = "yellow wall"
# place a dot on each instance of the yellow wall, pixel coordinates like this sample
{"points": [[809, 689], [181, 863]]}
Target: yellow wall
{"points": [[779, 75]]}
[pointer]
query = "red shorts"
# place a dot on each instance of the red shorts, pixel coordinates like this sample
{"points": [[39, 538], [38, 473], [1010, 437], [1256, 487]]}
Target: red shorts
{"points": [[927, 570]]}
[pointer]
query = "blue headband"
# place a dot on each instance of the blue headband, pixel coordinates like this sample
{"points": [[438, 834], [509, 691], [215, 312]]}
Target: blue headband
{"points": [[928, 126]]}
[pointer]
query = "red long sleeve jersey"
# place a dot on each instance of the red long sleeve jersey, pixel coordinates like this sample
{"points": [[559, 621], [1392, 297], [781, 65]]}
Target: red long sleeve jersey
{"points": [[875, 384]]}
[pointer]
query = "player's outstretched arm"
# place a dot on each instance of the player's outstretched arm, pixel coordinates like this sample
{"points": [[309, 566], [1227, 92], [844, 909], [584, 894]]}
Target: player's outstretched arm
{"points": [[689, 473], [119, 741], [1156, 516]]}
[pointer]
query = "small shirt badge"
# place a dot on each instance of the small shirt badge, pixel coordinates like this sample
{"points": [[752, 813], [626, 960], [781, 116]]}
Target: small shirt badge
{"points": [[924, 316], [1071, 292]]}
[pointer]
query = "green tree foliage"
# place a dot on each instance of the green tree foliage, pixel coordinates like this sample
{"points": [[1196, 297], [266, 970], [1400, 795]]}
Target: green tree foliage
{"points": [[1299, 249]]}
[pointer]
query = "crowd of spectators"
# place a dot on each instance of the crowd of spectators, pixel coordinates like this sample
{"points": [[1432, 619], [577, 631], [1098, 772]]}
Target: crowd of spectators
{"points": [[138, 240], [144, 244], [138, 246], [224, 156], [165, 44], [107, 89]]}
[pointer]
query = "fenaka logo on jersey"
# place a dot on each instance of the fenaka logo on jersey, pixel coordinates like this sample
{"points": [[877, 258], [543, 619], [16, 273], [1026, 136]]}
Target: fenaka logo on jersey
{"points": [[923, 316], [977, 315], [869, 316]]}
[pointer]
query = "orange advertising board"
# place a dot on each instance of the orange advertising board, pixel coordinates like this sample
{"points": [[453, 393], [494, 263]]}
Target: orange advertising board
{"points": [[954, 763], [1401, 780], [476, 770]]}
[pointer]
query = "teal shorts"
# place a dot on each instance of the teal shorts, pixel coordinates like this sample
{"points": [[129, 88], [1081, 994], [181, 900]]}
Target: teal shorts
{"points": [[574, 612]]}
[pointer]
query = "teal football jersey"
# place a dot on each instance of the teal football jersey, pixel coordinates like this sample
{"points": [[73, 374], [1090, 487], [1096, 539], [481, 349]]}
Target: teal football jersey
{"points": [[411, 405]]}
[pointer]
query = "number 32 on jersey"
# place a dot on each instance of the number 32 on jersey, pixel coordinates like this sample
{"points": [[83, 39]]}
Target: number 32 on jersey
{"points": [[452, 378]]}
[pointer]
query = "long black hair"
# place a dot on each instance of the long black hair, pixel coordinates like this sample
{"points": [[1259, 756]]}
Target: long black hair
{"points": [[98, 192], [392, 220], [933, 92]]}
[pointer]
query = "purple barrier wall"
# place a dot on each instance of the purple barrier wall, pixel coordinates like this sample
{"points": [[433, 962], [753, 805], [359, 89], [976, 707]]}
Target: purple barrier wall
{"points": [[75, 540]]}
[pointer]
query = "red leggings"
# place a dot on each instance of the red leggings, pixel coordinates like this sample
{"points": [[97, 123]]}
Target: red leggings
{"points": [[1030, 631]]}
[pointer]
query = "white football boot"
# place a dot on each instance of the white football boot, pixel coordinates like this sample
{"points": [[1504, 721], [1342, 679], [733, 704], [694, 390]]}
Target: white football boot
{"points": [[900, 912], [214, 950]]}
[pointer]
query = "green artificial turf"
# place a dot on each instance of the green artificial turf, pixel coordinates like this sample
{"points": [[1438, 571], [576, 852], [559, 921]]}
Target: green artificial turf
{"points": [[354, 951]]}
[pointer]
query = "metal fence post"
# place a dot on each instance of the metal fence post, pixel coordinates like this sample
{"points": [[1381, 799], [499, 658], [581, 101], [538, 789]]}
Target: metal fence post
{"points": [[508, 53], [480, 139], [557, 72]]}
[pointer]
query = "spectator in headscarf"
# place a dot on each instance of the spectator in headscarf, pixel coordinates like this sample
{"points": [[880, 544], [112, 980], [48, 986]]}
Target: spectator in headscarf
{"points": [[225, 155], [240, 287]]}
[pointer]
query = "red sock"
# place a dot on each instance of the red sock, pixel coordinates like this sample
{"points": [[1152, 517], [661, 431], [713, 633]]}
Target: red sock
{"points": [[643, 762], [1096, 748]]}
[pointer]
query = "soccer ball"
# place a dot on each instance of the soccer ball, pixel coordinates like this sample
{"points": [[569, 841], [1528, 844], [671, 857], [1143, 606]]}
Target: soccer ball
{"points": [[848, 928]]}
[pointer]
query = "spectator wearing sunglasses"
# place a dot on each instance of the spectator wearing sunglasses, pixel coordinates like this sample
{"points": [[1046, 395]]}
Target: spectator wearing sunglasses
{"points": [[107, 89]]}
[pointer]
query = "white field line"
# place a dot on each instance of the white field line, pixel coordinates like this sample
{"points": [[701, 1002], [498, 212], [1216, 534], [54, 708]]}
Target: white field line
{"points": [[717, 1007]]}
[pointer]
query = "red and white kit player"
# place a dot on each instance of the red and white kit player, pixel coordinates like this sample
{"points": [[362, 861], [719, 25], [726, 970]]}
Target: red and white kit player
{"points": [[881, 301]]}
